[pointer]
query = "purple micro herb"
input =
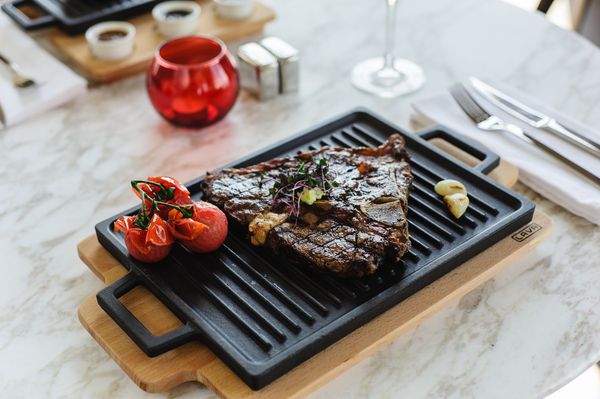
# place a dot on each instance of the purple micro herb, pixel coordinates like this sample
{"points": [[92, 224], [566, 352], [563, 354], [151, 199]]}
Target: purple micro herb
{"points": [[308, 181]]}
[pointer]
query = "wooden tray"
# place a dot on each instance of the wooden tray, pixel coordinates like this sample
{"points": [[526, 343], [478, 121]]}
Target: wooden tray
{"points": [[194, 362], [75, 48]]}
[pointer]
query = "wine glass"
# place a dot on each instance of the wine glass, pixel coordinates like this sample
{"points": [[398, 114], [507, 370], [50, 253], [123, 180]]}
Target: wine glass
{"points": [[388, 76], [193, 81]]}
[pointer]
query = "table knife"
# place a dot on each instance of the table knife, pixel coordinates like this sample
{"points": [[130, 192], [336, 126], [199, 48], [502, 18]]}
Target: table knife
{"points": [[533, 117], [491, 123]]}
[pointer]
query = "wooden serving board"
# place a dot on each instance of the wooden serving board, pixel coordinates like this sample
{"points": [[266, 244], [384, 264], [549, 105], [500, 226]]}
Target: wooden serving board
{"points": [[195, 362], [75, 48]]}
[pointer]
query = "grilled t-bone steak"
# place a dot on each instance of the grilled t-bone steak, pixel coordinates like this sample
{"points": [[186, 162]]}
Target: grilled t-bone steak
{"points": [[357, 226]]}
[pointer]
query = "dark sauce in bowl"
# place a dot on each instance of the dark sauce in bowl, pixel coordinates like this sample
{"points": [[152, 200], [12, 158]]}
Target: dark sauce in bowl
{"points": [[111, 35], [177, 14]]}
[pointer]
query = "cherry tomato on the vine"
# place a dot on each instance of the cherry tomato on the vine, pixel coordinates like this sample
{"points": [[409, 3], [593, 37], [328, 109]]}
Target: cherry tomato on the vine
{"points": [[146, 245], [166, 189], [204, 232]]}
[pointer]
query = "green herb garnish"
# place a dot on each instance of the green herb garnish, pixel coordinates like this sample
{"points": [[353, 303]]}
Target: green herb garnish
{"points": [[308, 182]]}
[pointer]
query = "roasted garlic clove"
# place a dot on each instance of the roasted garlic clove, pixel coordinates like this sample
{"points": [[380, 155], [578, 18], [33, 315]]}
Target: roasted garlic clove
{"points": [[262, 224], [457, 203], [449, 186]]}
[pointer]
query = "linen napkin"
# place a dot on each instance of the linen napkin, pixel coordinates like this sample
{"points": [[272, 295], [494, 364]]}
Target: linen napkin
{"points": [[543, 173], [57, 83]]}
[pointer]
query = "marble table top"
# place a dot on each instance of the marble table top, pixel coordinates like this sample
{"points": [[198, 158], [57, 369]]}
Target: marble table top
{"points": [[522, 335]]}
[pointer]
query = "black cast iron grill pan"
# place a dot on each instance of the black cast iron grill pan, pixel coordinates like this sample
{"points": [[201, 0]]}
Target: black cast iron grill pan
{"points": [[73, 16], [264, 315]]}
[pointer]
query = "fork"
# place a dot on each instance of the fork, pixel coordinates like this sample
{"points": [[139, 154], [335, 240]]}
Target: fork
{"points": [[491, 123], [19, 80]]}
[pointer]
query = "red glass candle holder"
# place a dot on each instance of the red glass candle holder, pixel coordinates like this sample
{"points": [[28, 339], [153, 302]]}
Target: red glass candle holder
{"points": [[193, 81]]}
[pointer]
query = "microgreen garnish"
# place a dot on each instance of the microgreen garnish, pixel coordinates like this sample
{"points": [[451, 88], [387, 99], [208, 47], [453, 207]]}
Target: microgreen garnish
{"points": [[309, 181]]}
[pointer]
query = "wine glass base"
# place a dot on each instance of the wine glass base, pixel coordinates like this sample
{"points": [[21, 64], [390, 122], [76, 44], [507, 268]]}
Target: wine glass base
{"points": [[406, 77]]}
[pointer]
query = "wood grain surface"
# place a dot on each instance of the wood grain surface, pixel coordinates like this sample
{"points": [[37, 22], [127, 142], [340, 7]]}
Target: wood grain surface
{"points": [[76, 51]]}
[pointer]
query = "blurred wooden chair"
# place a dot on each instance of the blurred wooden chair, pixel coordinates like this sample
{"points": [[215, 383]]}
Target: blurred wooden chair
{"points": [[544, 5], [584, 16], [588, 23]]}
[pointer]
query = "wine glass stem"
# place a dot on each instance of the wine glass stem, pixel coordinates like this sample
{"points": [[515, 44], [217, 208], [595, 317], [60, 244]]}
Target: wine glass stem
{"points": [[390, 28]]}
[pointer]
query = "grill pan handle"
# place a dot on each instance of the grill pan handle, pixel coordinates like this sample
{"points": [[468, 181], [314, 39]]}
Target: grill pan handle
{"points": [[489, 159], [12, 10], [151, 344]]}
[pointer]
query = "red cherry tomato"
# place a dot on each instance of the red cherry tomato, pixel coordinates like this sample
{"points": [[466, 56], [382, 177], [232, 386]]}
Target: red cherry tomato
{"points": [[179, 194], [204, 232], [151, 245]]}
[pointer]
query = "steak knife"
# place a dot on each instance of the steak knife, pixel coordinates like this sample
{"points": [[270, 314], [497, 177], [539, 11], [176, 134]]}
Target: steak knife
{"points": [[533, 117]]}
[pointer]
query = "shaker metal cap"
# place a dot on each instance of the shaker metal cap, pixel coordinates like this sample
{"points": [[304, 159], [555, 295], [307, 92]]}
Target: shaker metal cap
{"points": [[279, 48], [255, 55]]}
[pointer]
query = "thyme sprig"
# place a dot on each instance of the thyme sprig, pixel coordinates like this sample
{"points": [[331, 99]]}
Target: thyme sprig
{"points": [[309, 180]]}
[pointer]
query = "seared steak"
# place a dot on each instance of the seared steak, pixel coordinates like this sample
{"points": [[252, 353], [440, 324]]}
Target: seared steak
{"points": [[357, 226]]}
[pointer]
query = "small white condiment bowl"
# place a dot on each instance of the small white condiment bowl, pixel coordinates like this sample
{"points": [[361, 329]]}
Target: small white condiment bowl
{"points": [[181, 26], [234, 9], [115, 49]]}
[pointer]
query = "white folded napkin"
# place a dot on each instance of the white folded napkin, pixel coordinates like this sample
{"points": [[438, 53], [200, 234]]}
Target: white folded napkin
{"points": [[543, 173], [57, 83]]}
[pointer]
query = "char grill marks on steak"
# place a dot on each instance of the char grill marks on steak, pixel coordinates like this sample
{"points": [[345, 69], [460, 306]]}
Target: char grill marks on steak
{"points": [[359, 225]]}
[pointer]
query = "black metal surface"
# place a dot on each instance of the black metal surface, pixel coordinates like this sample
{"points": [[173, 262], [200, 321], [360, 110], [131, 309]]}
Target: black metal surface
{"points": [[75, 16], [263, 315]]}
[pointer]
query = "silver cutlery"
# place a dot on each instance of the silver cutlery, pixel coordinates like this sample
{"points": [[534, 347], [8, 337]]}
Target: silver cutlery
{"points": [[19, 80], [486, 121], [534, 118]]}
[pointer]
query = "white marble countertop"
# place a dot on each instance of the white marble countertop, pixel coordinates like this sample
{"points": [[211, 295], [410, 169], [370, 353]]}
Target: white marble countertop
{"points": [[522, 335]]}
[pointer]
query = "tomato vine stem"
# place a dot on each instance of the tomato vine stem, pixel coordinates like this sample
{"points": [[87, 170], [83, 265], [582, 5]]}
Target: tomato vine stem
{"points": [[187, 211], [144, 217], [164, 194]]}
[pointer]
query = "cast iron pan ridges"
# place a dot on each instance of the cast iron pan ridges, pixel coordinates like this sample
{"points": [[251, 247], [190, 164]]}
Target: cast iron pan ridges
{"points": [[75, 16], [263, 315]]}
